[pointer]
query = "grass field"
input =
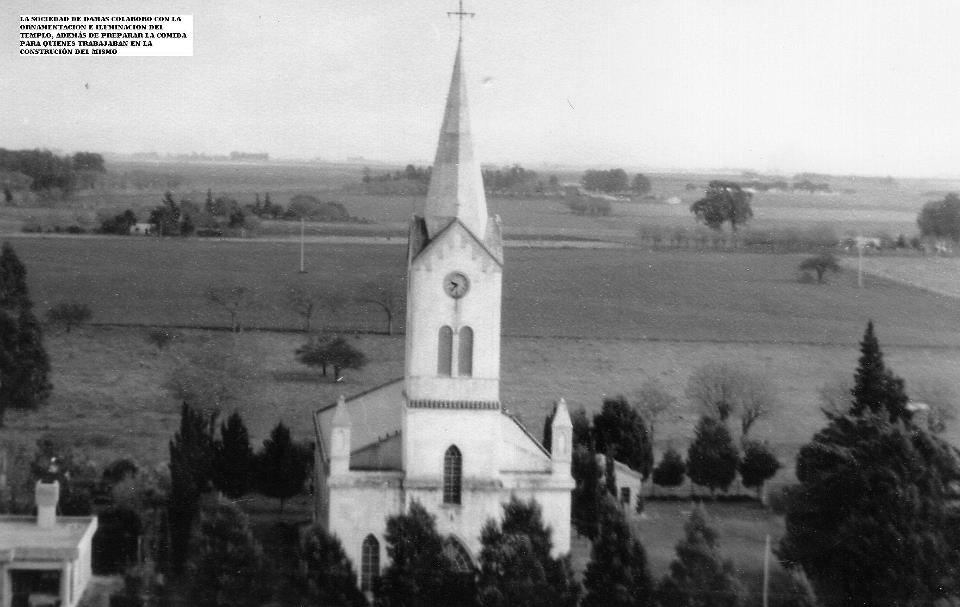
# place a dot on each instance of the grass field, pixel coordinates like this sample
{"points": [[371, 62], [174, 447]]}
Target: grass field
{"points": [[580, 293]]}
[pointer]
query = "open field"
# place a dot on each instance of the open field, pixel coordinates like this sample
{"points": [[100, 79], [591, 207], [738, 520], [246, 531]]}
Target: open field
{"points": [[939, 275], [857, 204], [607, 293], [109, 398]]}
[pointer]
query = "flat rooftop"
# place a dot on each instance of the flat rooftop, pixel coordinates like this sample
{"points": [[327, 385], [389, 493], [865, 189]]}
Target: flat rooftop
{"points": [[22, 539]]}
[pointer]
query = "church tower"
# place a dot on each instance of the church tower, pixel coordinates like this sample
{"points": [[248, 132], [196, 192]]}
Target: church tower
{"points": [[439, 435], [454, 277]]}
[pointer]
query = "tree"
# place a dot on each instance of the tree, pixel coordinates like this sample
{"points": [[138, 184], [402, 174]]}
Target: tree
{"points": [[421, 574], [387, 297], [336, 352], [233, 464], [714, 388], [191, 470], [671, 470], [758, 465], [160, 337], [712, 457], [756, 401], [232, 299], [165, 218], [640, 184], [69, 314], [282, 466], [653, 400], [875, 388], [613, 180], [119, 224], [820, 264], [516, 568], [226, 567], [873, 518], [941, 218], [210, 377], [24, 364], [724, 201], [620, 433], [700, 576], [872, 521], [587, 491], [327, 575], [306, 303], [617, 573], [720, 389]]}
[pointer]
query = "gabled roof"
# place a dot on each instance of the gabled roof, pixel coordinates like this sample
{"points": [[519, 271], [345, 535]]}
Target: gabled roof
{"points": [[495, 252], [373, 414]]}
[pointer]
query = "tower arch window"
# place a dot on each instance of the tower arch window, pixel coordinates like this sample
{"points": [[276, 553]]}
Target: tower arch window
{"points": [[452, 475], [465, 366], [369, 563], [445, 351], [458, 555]]}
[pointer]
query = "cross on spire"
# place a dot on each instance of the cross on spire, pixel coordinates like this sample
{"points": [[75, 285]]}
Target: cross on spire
{"points": [[460, 15]]}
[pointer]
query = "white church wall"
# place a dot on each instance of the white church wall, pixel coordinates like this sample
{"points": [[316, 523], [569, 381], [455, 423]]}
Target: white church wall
{"points": [[428, 433], [360, 503]]}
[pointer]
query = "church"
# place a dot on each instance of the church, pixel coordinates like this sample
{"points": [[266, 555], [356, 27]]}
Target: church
{"points": [[440, 435]]}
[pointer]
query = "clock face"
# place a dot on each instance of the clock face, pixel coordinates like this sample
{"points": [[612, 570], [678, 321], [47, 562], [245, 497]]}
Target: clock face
{"points": [[456, 284]]}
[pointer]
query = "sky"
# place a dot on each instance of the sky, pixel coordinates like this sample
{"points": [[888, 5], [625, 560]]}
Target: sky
{"points": [[843, 87]]}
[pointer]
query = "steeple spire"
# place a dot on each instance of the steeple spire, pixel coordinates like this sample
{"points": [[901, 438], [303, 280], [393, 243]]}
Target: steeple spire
{"points": [[456, 185]]}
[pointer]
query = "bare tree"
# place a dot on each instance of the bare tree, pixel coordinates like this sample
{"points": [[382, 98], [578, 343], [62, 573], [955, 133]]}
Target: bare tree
{"points": [[231, 299], [757, 400], [720, 389], [387, 296], [653, 400], [835, 394], [210, 377], [715, 388], [307, 303]]}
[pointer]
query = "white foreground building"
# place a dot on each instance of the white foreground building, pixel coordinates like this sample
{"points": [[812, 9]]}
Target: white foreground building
{"points": [[439, 435], [45, 561]]}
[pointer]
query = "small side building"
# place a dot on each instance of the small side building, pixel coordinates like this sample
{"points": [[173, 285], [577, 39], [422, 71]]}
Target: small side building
{"points": [[45, 560]]}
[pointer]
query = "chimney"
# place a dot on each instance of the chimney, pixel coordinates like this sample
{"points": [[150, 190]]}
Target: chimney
{"points": [[47, 496]]}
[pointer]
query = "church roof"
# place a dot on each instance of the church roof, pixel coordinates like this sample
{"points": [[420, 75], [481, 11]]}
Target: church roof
{"points": [[456, 183]]}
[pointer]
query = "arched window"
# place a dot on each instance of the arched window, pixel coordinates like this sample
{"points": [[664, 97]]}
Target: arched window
{"points": [[452, 475], [369, 563], [458, 555], [465, 367], [445, 351]]}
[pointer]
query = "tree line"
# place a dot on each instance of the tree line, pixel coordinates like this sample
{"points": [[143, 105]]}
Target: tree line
{"points": [[47, 172]]}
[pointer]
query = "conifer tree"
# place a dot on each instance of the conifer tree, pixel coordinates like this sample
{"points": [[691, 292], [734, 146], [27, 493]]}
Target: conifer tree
{"points": [[587, 491], [233, 466], [873, 521], [226, 566], [516, 568], [671, 469], [712, 457], [758, 465], [24, 364], [191, 467], [700, 576], [282, 466], [876, 389], [617, 574], [327, 574], [420, 572]]}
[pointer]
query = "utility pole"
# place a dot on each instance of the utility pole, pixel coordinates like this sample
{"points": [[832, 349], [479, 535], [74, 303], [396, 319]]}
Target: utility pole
{"points": [[860, 245], [302, 270], [766, 572]]}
